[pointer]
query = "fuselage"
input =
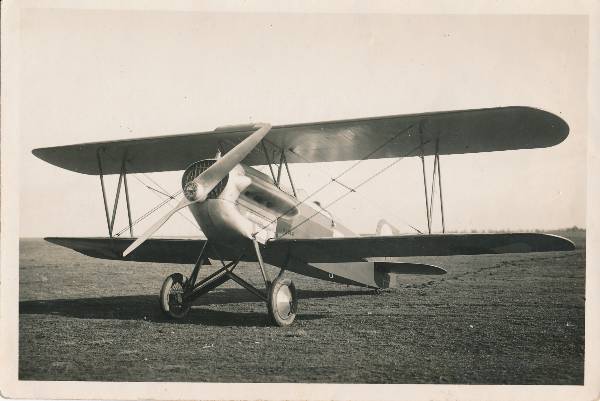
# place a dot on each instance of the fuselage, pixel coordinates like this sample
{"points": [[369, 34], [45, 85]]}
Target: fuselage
{"points": [[248, 204]]}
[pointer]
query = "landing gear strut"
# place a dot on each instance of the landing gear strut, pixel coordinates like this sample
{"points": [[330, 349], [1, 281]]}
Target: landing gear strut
{"points": [[177, 293]]}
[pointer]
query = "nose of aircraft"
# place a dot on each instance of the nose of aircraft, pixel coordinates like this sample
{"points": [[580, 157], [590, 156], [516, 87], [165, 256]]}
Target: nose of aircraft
{"points": [[208, 180]]}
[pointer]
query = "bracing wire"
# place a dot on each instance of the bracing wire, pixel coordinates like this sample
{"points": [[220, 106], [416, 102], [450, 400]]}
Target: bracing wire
{"points": [[159, 192], [357, 193], [170, 197], [151, 211], [336, 179], [162, 191], [351, 190]]}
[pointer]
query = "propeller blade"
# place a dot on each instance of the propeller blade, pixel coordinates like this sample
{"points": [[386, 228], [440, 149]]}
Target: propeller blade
{"points": [[209, 179], [183, 203]]}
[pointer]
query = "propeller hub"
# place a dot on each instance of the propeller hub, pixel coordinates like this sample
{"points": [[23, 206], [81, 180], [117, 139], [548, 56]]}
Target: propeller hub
{"points": [[191, 191]]}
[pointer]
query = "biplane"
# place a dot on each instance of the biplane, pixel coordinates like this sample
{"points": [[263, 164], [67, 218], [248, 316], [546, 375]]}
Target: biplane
{"points": [[248, 215]]}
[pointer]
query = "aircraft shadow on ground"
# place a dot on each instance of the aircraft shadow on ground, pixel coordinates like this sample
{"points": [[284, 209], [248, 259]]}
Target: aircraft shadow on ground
{"points": [[145, 307]]}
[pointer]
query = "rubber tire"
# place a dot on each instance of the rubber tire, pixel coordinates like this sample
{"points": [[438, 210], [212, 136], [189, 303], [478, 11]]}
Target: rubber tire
{"points": [[274, 314], [171, 280]]}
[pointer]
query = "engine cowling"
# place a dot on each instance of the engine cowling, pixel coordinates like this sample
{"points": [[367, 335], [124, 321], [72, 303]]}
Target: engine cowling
{"points": [[244, 203]]}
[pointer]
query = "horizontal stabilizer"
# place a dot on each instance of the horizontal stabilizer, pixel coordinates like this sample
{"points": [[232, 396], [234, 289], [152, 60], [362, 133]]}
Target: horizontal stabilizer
{"points": [[364, 274], [408, 268], [387, 272]]}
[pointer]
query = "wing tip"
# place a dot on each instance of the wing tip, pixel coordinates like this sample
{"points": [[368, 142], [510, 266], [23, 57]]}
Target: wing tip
{"points": [[560, 126], [54, 240], [39, 153], [553, 124], [562, 243], [52, 155]]}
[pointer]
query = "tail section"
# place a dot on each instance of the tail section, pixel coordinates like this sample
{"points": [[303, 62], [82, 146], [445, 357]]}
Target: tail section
{"points": [[363, 274]]}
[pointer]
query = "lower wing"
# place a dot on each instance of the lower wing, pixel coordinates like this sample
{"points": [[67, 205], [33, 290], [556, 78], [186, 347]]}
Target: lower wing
{"points": [[340, 260], [350, 249]]}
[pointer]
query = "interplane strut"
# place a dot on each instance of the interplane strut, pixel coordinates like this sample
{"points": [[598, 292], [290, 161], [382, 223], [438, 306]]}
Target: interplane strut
{"points": [[110, 221], [435, 174]]}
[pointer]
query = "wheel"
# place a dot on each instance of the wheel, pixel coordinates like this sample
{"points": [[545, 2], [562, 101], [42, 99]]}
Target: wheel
{"points": [[282, 303], [171, 297]]}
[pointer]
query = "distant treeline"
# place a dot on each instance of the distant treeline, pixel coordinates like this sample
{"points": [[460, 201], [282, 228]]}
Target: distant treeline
{"points": [[536, 230], [573, 229]]}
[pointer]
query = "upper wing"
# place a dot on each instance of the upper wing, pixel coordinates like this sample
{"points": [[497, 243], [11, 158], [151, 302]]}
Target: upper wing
{"points": [[465, 131]]}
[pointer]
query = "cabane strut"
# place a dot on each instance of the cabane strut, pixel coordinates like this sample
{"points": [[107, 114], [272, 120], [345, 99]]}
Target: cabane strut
{"points": [[282, 162]]}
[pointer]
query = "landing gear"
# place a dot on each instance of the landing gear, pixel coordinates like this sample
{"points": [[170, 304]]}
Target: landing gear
{"points": [[177, 293], [282, 303], [171, 297]]}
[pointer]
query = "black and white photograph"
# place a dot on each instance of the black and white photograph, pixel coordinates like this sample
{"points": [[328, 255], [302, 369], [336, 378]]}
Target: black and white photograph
{"points": [[260, 201]]}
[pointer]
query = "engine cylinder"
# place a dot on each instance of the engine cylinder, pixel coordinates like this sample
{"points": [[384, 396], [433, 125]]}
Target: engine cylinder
{"points": [[197, 168]]}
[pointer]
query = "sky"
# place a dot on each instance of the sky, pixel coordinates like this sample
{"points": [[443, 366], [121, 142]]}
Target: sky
{"points": [[96, 75]]}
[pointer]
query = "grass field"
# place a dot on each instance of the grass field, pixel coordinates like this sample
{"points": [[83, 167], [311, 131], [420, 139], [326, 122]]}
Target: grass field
{"points": [[514, 319]]}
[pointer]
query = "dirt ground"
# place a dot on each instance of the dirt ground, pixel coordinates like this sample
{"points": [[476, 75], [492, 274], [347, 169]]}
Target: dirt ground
{"points": [[515, 319]]}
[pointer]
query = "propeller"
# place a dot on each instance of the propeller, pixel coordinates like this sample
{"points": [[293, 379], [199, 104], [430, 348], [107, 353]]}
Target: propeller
{"points": [[197, 191]]}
